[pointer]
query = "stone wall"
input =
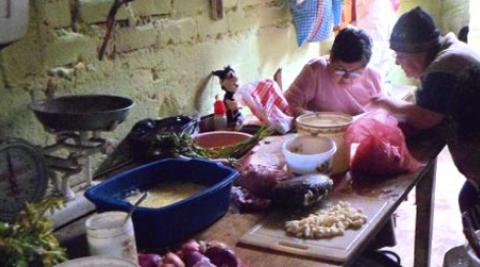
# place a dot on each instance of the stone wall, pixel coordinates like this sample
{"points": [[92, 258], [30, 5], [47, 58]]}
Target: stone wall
{"points": [[161, 55]]}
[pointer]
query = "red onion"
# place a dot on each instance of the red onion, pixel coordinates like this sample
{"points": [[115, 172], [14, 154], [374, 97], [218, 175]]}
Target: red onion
{"points": [[222, 257], [148, 260]]}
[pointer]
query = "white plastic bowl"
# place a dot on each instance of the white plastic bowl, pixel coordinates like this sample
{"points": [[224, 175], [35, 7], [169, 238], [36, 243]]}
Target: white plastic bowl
{"points": [[97, 261], [308, 154]]}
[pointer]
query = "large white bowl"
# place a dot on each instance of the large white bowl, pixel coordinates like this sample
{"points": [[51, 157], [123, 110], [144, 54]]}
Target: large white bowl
{"points": [[308, 154], [97, 261]]}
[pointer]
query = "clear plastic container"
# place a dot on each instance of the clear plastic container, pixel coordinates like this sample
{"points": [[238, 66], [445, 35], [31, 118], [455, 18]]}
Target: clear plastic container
{"points": [[108, 235]]}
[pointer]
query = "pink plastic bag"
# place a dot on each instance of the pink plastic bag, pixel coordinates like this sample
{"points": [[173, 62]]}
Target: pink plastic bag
{"points": [[267, 103], [381, 150]]}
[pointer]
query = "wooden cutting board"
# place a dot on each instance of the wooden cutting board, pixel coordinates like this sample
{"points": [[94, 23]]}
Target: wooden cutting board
{"points": [[270, 234]]}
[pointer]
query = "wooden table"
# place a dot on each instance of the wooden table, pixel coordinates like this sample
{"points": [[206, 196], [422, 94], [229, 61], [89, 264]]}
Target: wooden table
{"points": [[393, 191], [233, 225]]}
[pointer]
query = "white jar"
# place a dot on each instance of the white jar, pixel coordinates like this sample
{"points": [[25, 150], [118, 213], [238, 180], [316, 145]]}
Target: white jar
{"points": [[108, 235]]}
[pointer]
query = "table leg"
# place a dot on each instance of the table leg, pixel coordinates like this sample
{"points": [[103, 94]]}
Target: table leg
{"points": [[425, 196]]}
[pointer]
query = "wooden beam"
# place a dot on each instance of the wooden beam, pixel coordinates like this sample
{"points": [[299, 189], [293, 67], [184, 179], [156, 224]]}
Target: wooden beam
{"points": [[216, 8]]}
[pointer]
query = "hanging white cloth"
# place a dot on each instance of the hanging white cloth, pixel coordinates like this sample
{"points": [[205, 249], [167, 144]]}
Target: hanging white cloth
{"points": [[377, 17]]}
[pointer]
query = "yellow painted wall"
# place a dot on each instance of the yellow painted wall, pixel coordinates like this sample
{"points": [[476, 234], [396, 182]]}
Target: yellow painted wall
{"points": [[474, 34], [161, 56]]}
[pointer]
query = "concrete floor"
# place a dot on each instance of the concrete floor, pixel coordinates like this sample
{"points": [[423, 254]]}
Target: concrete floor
{"points": [[447, 232]]}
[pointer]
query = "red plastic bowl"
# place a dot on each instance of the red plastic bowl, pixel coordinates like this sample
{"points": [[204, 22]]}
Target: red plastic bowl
{"points": [[219, 138]]}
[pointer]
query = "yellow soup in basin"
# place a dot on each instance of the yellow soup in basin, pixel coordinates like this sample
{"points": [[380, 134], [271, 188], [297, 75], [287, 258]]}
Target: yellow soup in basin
{"points": [[167, 193]]}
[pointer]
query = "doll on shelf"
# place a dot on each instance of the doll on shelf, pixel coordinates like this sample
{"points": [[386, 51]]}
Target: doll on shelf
{"points": [[229, 83]]}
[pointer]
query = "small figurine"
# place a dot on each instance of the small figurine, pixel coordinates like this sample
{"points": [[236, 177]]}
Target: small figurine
{"points": [[229, 83]]}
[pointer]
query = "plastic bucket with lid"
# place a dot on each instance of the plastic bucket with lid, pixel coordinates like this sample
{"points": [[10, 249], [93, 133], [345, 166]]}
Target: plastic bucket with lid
{"points": [[109, 235], [332, 125]]}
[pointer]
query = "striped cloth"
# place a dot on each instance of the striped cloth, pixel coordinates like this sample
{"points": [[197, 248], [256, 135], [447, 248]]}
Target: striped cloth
{"points": [[314, 19], [269, 96]]}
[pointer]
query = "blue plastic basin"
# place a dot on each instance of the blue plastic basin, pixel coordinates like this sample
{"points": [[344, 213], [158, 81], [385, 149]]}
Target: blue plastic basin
{"points": [[160, 227]]}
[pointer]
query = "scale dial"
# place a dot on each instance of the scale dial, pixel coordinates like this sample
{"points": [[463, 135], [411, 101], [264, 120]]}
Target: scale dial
{"points": [[23, 176]]}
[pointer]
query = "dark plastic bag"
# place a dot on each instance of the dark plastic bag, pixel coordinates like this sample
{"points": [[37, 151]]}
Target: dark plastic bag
{"points": [[378, 258], [381, 149], [132, 149], [143, 132]]}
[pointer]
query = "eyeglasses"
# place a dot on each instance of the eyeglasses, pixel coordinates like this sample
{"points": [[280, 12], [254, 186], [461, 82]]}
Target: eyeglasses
{"points": [[355, 73]]}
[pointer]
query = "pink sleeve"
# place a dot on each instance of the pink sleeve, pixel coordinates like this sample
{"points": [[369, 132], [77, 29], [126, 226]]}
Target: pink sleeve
{"points": [[376, 89], [301, 91], [377, 83]]}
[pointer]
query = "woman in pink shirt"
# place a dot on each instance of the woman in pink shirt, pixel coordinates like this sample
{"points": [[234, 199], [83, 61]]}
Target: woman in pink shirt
{"points": [[341, 82]]}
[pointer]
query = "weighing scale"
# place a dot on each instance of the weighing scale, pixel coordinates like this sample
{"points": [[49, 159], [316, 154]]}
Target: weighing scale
{"points": [[23, 176]]}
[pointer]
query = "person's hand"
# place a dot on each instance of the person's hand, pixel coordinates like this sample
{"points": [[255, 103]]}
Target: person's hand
{"points": [[382, 102]]}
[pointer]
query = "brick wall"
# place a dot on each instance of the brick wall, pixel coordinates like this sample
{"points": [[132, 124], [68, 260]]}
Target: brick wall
{"points": [[161, 55]]}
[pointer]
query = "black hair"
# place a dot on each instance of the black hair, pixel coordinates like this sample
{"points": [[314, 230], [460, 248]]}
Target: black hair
{"points": [[463, 34], [222, 74], [464, 107], [352, 45]]}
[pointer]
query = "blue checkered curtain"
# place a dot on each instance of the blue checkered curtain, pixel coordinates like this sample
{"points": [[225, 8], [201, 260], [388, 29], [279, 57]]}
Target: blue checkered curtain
{"points": [[314, 19], [337, 12]]}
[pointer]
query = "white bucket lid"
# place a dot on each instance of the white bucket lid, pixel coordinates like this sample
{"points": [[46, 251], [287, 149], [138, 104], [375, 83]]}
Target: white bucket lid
{"points": [[97, 261], [324, 120]]}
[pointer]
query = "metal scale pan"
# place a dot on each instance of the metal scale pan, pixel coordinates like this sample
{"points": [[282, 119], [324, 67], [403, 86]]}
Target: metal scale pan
{"points": [[82, 112]]}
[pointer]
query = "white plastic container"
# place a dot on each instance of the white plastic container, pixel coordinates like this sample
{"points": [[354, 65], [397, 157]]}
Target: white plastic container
{"points": [[219, 115], [108, 235], [308, 154], [97, 261], [332, 125]]}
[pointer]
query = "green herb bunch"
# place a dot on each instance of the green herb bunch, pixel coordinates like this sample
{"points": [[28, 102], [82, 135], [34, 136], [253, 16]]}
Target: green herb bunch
{"points": [[29, 241], [170, 144]]}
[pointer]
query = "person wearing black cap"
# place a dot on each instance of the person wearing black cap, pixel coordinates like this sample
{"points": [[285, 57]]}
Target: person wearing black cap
{"points": [[437, 61], [447, 97]]}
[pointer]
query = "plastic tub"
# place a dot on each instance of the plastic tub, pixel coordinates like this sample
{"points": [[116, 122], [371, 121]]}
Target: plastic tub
{"points": [[159, 227], [308, 154], [109, 235], [332, 125]]}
